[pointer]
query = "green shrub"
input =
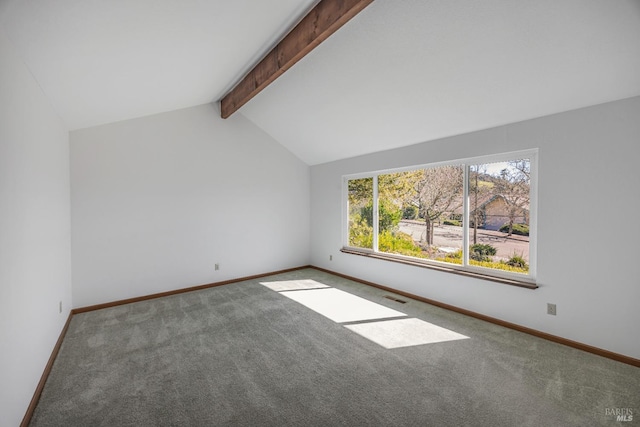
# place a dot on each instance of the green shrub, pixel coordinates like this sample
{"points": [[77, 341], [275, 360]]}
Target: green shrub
{"points": [[398, 243], [388, 215], [453, 258], [481, 252], [517, 261], [520, 229], [410, 212], [456, 258], [452, 222], [454, 255], [501, 265], [360, 233]]}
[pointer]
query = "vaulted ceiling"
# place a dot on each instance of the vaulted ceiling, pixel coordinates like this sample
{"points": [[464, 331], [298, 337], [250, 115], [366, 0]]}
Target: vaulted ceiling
{"points": [[399, 73]]}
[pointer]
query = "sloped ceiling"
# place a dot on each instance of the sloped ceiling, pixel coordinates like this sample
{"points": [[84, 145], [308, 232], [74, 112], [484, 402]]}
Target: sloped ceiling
{"points": [[399, 73], [101, 61], [404, 72]]}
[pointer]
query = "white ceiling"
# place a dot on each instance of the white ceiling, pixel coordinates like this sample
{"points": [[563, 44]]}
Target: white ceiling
{"points": [[101, 61], [399, 73]]}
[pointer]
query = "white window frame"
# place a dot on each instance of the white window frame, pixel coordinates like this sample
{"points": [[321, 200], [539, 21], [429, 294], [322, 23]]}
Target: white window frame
{"points": [[488, 273]]}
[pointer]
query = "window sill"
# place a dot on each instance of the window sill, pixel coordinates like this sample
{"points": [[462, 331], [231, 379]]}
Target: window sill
{"points": [[443, 268]]}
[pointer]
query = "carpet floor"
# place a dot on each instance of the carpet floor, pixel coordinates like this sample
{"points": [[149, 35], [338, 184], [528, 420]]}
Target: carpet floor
{"points": [[266, 352]]}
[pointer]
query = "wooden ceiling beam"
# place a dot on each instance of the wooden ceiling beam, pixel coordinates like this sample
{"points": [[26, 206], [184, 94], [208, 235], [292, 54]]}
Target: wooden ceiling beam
{"points": [[322, 21]]}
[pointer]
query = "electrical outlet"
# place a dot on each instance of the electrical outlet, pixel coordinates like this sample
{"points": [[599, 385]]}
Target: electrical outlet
{"points": [[330, 257], [551, 309], [60, 307], [217, 266]]}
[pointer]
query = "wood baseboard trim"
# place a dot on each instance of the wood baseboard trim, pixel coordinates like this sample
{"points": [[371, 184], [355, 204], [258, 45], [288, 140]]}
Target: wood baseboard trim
{"points": [[554, 338], [180, 291], [43, 379]]}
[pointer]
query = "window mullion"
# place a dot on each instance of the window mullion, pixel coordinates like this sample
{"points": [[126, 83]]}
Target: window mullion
{"points": [[533, 212], [345, 211], [465, 216], [375, 209]]}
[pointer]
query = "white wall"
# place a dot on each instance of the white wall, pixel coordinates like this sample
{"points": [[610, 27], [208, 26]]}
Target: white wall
{"points": [[157, 201], [588, 241], [35, 270]]}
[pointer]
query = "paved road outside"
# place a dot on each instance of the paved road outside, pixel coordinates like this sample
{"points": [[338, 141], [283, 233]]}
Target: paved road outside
{"points": [[449, 237]]}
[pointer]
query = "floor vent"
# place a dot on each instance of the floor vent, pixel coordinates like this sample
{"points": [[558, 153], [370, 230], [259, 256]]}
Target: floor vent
{"points": [[395, 299]]}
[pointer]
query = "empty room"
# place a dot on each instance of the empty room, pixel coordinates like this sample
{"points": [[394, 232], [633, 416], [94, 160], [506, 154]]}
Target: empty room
{"points": [[319, 212]]}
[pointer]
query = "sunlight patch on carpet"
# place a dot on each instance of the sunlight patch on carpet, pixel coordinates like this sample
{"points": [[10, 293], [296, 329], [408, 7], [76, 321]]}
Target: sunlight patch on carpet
{"points": [[382, 325], [293, 285], [404, 332], [341, 306]]}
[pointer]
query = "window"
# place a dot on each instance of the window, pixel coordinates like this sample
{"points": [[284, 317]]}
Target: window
{"points": [[361, 213], [475, 215]]}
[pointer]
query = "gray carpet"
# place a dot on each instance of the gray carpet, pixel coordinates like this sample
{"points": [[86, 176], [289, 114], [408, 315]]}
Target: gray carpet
{"points": [[245, 355]]}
